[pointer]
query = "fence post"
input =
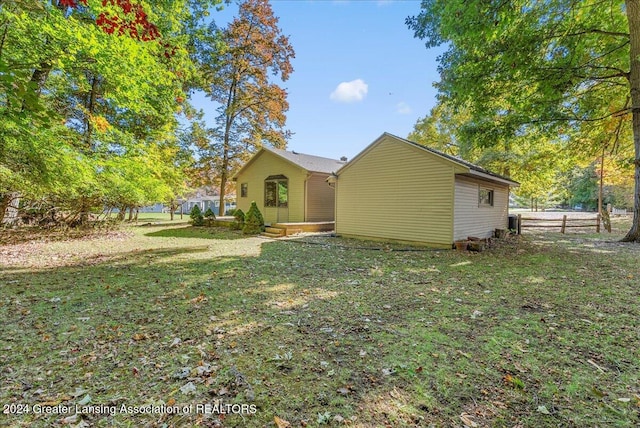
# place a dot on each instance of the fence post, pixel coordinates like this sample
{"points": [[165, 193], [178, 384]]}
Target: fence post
{"points": [[598, 223], [519, 225], [564, 223]]}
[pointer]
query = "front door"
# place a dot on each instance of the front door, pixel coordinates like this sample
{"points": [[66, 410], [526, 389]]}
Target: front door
{"points": [[276, 199]]}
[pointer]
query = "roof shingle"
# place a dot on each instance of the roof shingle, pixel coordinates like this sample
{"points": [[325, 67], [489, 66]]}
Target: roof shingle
{"points": [[309, 162]]}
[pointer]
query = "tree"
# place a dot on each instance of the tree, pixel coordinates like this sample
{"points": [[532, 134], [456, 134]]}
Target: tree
{"points": [[561, 67], [251, 108], [532, 160], [438, 130], [583, 187], [253, 220], [81, 122], [197, 219]]}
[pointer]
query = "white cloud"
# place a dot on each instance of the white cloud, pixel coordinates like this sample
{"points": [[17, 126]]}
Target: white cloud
{"points": [[403, 108], [350, 92]]}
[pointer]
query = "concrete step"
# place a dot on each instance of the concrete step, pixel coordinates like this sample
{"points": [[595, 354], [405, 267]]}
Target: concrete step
{"points": [[271, 235], [275, 231]]}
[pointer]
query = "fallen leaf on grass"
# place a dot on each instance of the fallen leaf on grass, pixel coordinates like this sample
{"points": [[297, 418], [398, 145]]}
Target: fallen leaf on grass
{"points": [[467, 421], [464, 354], [519, 367], [499, 404], [71, 419], [199, 299], [281, 423], [388, 372], [514, 381], [345, 390], [182, 373], [78, 392], [543, 410], [55, 402], [188, 388]]}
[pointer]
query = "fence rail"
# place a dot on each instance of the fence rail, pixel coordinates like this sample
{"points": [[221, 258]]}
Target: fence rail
{"points": [[565, 222], [619, 211]]}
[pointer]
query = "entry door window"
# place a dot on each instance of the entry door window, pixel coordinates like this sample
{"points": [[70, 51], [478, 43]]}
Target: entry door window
{"points": [[276, 191]]}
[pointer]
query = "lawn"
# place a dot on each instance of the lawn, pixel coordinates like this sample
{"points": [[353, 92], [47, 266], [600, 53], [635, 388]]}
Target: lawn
{"points": [[166, 325]]}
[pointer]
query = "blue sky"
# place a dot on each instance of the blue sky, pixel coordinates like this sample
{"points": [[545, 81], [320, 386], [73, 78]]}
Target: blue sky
{"points": [[358, 72]]}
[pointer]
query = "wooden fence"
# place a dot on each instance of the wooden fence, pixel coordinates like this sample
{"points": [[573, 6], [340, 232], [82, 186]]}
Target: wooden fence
{"points": [[619, 211], [563, 223]]}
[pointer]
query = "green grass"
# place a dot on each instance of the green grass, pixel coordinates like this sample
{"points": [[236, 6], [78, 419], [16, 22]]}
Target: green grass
{"points": [[540, 331]]}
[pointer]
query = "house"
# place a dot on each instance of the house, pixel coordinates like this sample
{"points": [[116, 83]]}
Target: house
{"points": [[398, 190], [287, 186], [205, 202]]}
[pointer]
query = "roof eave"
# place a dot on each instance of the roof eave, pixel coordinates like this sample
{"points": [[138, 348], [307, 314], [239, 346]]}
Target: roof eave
{"points": [[490, 177]]}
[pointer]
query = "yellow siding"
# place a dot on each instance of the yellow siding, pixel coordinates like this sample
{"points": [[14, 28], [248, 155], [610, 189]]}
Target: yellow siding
{"points": [[261, 167], [473, 220], [320, 198], [398, 192]]}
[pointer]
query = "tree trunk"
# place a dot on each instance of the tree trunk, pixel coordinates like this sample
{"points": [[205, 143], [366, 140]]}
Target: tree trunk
{"points": [[39, 77], [601, 187], [84, 211], [223, 184], [224, 169], [230, 117], [5, 199], [91, 106], [633, 15]]}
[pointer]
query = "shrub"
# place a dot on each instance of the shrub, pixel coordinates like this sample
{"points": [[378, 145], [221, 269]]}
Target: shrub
{"points": [[197, 219], [209, 217], [253, 220], [238, 223], [209, 214]]}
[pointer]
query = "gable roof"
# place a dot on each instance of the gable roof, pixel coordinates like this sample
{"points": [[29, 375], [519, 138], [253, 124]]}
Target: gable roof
{"points": [[309, 163], [472, 169]]}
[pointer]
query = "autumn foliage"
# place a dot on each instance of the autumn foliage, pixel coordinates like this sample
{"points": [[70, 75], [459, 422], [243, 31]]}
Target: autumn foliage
{"points": [[71, 3], [133, 21], [130, 20]]}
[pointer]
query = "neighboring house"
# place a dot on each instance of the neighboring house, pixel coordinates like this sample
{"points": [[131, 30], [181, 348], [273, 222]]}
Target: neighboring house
{"points": [[205, 202], [401, 191], [288, 187], [155, 208]]}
